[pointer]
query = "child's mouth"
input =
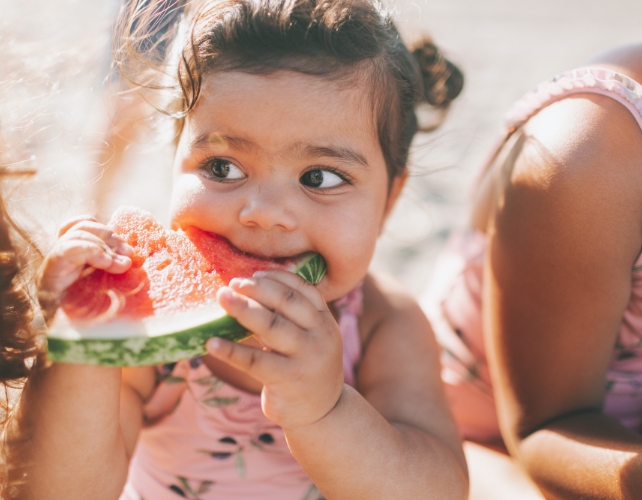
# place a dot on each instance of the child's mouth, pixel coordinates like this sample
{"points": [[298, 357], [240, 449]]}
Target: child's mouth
{"points": [[264, 256]]}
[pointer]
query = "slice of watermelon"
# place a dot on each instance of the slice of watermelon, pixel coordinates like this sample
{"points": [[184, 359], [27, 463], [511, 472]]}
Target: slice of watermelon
{"points": [[164, 307]]}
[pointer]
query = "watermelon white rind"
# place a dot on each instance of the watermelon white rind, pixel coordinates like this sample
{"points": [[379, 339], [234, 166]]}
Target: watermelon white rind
{"points": [[139, 343]]}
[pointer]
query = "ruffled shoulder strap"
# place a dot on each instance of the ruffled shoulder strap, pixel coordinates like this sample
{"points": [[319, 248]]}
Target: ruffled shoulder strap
{"points": [[578, 81], [589, 80]]}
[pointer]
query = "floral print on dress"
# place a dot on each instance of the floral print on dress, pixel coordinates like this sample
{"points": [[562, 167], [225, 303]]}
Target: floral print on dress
{"points": [[173, 383], [259, 442], [213, 384], [313, 494], [231, 448], [187, 491]]}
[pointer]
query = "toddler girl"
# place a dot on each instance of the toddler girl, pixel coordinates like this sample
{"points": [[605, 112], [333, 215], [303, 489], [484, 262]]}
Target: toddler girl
{"points": [[538, 303], [296, 121]]}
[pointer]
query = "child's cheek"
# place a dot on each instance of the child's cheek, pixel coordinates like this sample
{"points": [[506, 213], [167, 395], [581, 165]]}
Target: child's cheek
{"points": [[347, 263], [187, 199]]}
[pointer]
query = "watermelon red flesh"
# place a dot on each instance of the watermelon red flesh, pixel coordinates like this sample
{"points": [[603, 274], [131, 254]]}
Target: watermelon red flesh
{"points": [[172, 271]]}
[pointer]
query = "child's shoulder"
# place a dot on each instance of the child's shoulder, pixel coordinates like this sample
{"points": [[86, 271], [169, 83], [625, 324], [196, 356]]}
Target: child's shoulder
{"points": [[587, 139], [387, 304]]}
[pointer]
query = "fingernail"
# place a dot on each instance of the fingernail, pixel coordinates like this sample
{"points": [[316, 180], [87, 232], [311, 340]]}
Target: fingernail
{"points": [[121, 259], [225, 292], [213, 344], [236, 282], [260, 274]]}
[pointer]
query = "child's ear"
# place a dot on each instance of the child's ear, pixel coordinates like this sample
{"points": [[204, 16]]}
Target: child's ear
{"points": [[395, 190]]}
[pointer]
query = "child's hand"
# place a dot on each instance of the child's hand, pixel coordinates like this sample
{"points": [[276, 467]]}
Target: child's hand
{"points": [[301, 364], [82, 242]]}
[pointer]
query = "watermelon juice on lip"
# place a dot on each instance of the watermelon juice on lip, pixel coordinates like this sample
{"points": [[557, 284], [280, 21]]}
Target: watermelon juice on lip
{"points": [[164, 307]]}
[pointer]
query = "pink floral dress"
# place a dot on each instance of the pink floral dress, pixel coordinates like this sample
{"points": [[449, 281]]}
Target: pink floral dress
{"points": [[207, 440]]}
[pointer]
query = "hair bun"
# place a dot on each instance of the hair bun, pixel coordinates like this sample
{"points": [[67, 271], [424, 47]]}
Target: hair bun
{"points": [[442, 80]]}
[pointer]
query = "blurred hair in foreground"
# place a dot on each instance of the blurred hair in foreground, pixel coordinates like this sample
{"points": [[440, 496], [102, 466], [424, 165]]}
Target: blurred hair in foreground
{"points": [[21, 347]]}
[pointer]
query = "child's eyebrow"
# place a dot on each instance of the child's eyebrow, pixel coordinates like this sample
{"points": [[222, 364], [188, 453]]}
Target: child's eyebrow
{"points": [[222, 140], [340, 153], [309, 150]]}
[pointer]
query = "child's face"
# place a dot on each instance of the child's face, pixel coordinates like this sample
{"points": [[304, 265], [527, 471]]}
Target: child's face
{"points": [[284, 164]]}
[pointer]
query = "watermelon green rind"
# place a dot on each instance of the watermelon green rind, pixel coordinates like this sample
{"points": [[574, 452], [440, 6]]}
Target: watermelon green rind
{"points": [[312, 270], [66, 345], [139, 351]]}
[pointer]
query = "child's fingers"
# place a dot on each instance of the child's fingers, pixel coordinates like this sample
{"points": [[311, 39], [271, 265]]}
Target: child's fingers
{"points": [[81, 238], [261, 365], [83, 242], [276, 296], [93, 252], [105, 234], [119, 264], [68, 257], [74, 236], [272, 330], [101, 256], [65, 263], [297, 283], [72, 222]]}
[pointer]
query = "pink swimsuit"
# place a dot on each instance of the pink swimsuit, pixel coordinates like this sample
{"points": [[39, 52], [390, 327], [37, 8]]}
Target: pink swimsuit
{"points": [[208, 440], [454, 301]]}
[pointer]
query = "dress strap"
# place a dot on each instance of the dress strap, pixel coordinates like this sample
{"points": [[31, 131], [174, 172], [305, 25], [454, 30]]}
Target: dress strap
{"points": [[579, 81], [589, 80], [350, 307]]}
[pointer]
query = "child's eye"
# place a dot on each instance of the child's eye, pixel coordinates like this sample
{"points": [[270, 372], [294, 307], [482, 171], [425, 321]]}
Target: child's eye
{"points": [[321, 179], [223, 169]]}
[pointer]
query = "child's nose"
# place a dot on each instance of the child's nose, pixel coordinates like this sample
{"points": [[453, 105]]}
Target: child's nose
{"points": [[269, 208]]}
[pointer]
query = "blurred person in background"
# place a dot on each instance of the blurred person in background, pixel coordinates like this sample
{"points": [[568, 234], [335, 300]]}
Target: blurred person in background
{"points": [[539, 303]]}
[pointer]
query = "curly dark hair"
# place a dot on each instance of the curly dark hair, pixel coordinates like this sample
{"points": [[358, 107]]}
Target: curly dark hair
{"points": [[20, 346], [335, 39]]}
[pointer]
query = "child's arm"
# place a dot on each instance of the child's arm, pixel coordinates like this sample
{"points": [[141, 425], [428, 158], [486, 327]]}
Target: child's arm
{"points": [[72, 442], [397, 438], [566, 235], [66, 436]]}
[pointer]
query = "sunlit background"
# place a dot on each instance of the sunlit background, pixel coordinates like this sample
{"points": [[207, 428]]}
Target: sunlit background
{"points": [[55, 107]]}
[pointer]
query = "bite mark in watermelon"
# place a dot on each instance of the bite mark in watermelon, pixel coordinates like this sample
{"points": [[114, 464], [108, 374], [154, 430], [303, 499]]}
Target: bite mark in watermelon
{"points": [[164, 307]]}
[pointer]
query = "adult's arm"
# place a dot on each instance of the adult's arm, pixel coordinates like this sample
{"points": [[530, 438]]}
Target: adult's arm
{"points": [[562, 244]]}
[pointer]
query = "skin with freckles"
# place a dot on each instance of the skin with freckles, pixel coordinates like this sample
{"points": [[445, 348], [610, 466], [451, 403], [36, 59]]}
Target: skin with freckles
{"points": [[279, 164]]}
